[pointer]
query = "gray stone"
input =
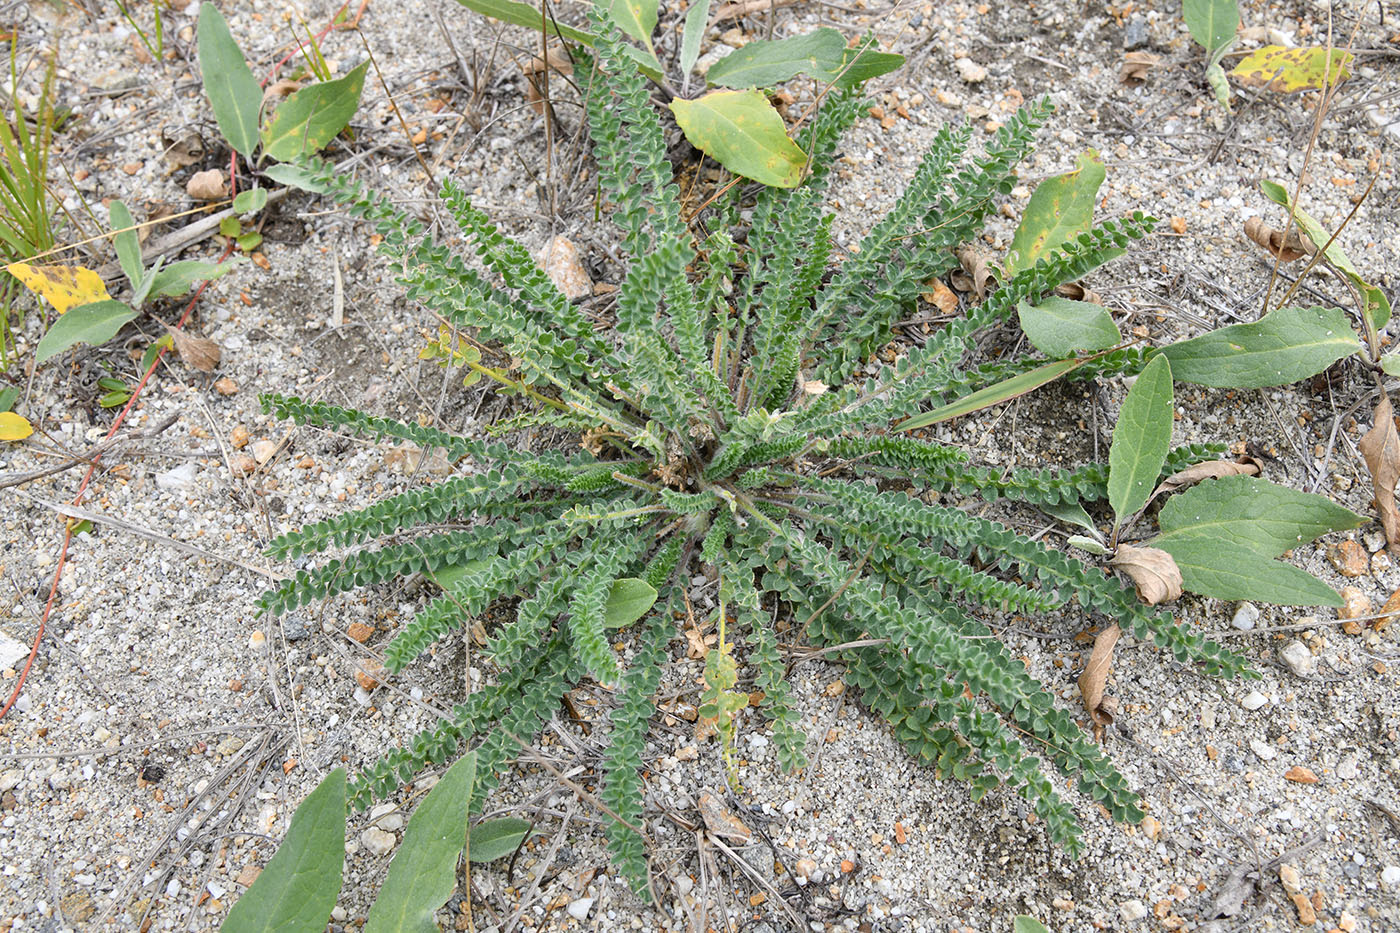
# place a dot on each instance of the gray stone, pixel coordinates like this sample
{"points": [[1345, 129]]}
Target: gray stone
{"points": [[1297, 658], [377, 842], [1264, 750], [1245, 617], [1254, 700], [1135, 34], [1132, 911]]}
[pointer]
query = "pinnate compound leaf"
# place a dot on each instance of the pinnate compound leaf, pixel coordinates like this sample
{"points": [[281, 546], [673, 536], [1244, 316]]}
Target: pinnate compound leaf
{"points": [[1212, 23], [1250, 514], [1381, 449], [1059, 327], [493, 839], [298, 889], [1141, 439], [741, 131], [311, 118], [64, 286], [93, 324], [1284, 70], [127, 243], [14, 427], [636, 18], [424, 870], [628, 600], [1003, 391], [1060, 209], [766, 63], [1212, 567], [1154, 574], [233, 92], [1282, 347]]}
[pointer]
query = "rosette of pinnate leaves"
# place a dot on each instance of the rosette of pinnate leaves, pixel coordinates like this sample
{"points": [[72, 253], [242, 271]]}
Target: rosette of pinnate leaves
{"points": [[734, 425]]}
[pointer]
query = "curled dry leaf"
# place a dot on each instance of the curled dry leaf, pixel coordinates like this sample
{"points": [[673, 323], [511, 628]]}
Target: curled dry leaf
{"points": [[1287, 249], [719, 819], [199, 353], [1153, 571], [183, 146], [1136, 65], [1075, 291], [534, 84], [207, 186], [978, 270], [941, 296], [283, 87], [1381, 448], [1211, 469], [1095, 676]]}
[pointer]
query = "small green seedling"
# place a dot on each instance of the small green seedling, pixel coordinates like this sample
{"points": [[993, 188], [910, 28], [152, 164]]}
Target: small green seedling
{"points": [[1212, 24]]}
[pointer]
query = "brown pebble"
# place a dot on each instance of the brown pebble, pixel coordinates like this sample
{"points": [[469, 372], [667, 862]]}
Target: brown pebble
{"points": [[8, 800], [1306, 915], [226, 386], [756, 899], [360, 631], [369, 673], [243, 465], [239, 436], [1350, 558], [289, 766], [1178, 225], [835, 688], [1300, 775], [305, 463], [1388, 612], [248, 875], [420, 137], [804, 868], [847, 866], [1354, 606], [131, 168], [236, 684], [79, 814], [901, 835]]}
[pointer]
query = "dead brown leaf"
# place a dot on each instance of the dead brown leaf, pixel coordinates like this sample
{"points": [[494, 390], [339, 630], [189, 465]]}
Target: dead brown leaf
{"points": [[282, 87], [531, 70], [719, 819], [1075, 291], [698, 645], [1381, 448], [1136, 65], [941, 296], [742, 8], [207, 186], [978, 270], [199, 353], [183, 147], [1153, 571], [1095, 676], [1211, 469], [1288, 249]]}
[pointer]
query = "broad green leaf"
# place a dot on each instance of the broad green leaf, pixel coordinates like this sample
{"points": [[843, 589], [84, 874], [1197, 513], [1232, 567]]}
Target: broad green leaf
{"points": [[14, 427], [249, 202], [1060, 209], [1286, 70], [128, 244], [1377, 305], [311, 118], [447, 577], [294, 176], [298, 889], [177, 278], [1390, 364], [233, 92], [93, 324], [636, 18], [495, 839], [696, 18], [1025, 924], [1141, 439], [1250, 513], [1212, 22], [8, 396], [1003, 391], [1216, 568], [628, 601], [1059, 327], [741, 131], [860, 64], [424, 870], [64, 286], [766, 63], [1282, 347]]}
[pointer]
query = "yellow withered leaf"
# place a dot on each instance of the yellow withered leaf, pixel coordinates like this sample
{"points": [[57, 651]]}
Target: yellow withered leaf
{"points": [[14, 427], [64, 286]]}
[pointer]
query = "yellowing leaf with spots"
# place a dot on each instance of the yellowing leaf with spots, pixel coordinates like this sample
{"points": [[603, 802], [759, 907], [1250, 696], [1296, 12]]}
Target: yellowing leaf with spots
{"points": [[64, 286], [1061, 208], [1285, 70], [14, 427], [741, 131]]}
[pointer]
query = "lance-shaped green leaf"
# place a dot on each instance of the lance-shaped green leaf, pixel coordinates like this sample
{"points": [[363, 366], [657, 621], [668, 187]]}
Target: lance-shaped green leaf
{"points": [[628, 600], [234, 94], [424, 871], [128, 244], [1282, 347], [310, 118], [636, 18], [995, 394], [1059, 327], [862, 63], [1141, 439], [175, 279], [1284, 70], [741, 131], [298, 889], [493, 839], [527, 15], [93, 324], [696, 19], [294, 176], [1377, 305], [1212, 23], [1250, 513], [1222, 571], [1061, 208], [765, 63]]}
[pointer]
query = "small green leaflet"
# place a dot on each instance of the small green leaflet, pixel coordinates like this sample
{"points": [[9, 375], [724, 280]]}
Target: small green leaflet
{"points": [[248, 202], [1212, 22], [1060, 328], [766, 63], [1025, 924], [423, 873], [637, 18], [234, 94], [1071, 513], [128, 244], [1250, 513], [628, 600], [1141, 439], [1060, 209], [311, 118], [1282, 347], [1003, 391], [298, 889], [93, 324], [495, 839], [1390, 364], [741, 131], [1086, 543], [1377, 305]]}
